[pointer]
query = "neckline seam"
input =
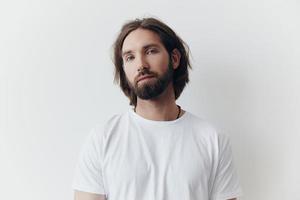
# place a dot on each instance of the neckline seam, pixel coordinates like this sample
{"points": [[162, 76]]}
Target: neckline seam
{"points": [[161, 122]]}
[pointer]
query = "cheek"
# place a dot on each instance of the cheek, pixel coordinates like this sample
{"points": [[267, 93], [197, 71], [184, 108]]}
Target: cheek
{"points": [[160, 67], [161, 62], [129, 73]]}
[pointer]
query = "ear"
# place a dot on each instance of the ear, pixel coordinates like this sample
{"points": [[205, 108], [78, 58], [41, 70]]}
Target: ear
{"points": [[175, 56]]}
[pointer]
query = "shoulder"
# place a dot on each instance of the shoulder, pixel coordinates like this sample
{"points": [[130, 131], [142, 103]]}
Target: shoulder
{"points": [[201, 125], [102, 128], [204, 128]]}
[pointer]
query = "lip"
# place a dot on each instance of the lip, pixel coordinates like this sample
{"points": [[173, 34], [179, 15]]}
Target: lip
{"points": [[144, 77]]}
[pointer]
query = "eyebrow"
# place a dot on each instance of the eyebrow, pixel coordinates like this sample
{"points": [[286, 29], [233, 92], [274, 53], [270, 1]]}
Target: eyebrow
{"points": [[144, 47]]}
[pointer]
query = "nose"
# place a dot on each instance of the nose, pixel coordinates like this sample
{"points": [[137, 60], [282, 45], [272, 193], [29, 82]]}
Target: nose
{"points": [[141, 63]]}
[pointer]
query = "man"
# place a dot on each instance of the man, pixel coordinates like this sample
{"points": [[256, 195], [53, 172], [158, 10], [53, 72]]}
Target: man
{"points": [[155, 151]]}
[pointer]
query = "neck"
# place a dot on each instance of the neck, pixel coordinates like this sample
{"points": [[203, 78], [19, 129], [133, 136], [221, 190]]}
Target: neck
{"points": [[161, 108]]}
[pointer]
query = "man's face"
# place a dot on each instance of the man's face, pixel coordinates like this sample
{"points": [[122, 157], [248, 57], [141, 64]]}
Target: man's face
{"points": [[147, 66]]}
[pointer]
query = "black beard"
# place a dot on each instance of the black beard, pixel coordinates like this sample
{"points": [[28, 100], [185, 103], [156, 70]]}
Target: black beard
{"points": [[154, 88]]}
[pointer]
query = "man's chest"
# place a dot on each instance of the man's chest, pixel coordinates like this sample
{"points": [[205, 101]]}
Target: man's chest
{"points": [[176, 162]]}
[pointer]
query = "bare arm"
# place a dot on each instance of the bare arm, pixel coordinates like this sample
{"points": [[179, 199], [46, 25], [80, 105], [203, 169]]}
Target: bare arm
{"points": [[78, 195]]}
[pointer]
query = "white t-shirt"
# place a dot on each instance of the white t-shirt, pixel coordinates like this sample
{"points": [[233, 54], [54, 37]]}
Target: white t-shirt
{"points": [[133, 158]]}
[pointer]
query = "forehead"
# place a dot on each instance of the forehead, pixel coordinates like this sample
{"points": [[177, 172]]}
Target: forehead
{"points": [[139, 38]]}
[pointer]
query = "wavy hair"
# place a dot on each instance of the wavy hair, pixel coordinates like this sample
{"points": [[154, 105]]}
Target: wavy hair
{"points": [[169, 39]]}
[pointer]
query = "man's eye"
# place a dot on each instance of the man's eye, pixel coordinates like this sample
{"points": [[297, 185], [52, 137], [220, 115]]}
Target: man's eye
{"points": [[129, 58], [151, 51]]}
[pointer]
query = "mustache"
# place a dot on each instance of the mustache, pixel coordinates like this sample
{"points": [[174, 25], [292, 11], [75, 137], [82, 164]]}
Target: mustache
{"points": [[144, 72]]}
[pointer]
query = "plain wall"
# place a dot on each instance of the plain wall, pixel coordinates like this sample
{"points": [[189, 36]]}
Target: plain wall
{"points": [[56, 83]]}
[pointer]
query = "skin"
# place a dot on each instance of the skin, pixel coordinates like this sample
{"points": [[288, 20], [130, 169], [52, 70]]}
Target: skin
{"points": [[144, 48], [137, 53], [78, 195]]}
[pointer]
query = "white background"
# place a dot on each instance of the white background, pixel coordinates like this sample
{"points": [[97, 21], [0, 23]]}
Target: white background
{"points": [[56, 83]]}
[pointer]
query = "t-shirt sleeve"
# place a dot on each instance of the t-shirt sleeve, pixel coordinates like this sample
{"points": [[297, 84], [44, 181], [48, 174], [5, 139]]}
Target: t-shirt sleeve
{"points": [[88, 172], [226, 182]]}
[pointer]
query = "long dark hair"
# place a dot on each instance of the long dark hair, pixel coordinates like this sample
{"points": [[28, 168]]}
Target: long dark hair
{"points": [[170, 41]]}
